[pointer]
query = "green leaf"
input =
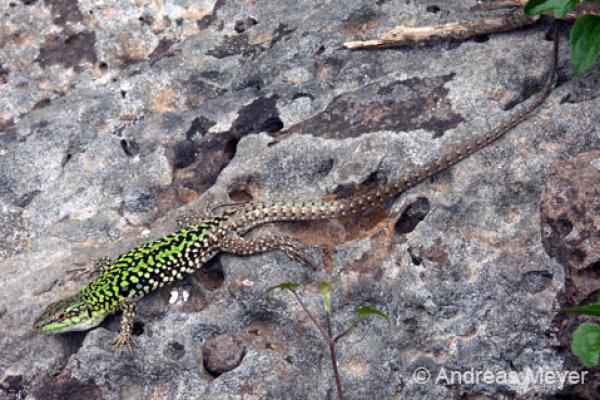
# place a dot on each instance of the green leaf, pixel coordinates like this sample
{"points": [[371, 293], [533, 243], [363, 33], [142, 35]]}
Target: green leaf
{"points": [[586, 343], [324, 288], [558, 7], [291, 286], [366, 311], [585, 43], [589, 309]]}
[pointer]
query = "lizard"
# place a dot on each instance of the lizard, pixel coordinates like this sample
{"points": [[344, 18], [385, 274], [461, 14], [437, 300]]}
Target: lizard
{"points": [[146, 268]]}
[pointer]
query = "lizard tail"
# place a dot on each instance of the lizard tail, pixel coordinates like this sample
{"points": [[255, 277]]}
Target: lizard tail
{"points": [[256, 213], [375, 196]]}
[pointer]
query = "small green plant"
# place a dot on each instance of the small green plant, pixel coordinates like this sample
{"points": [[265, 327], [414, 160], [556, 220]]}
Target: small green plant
{"points": [[325, 331], [586, 338], [584, 41]]}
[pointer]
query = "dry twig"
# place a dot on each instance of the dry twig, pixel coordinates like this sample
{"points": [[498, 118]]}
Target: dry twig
{"points": [[511, 20], [403, 35]]}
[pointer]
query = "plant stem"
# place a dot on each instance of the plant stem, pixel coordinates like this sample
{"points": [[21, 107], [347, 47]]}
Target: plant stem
{"points": [[312, 318], [347, 331], [330, 343], [336, 373]]}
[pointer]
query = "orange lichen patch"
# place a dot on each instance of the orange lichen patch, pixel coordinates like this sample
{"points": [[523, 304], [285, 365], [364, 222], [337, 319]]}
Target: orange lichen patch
{"points": [[196, 11], [189, 30], [110, 12], [436, 253], [27, 39], [366, 224], [133, 48], [325, 72], [167, 199], [317, 233], [354, 367], [328, 259], [187, 195], [6, 123], [328, 234], [381, 245], [128, 117], [162, 99], [46, 86], [325, 234], [261, 37], [498, 94]]}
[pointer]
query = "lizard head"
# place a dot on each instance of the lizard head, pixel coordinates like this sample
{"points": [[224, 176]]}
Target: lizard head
{"points": [[70, 314]]}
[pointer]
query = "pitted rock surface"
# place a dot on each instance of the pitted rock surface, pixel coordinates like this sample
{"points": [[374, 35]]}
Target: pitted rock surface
{"points": [[117, 117]]}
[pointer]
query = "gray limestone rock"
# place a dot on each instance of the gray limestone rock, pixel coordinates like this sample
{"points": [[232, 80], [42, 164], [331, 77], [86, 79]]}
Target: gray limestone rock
{"points": [[117, 117]]}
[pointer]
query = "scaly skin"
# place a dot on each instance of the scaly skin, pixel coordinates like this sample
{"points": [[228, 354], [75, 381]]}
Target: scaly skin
{"points": [[151, 266]]}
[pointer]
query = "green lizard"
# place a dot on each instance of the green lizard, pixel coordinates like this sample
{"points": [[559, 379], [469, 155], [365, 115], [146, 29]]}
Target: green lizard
{"points": [[132, 275]]}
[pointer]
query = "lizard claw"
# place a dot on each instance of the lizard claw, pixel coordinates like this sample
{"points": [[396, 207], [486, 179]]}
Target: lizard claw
{"points": [[89, 270], [79, 272], [125, 339], [297, 255]]}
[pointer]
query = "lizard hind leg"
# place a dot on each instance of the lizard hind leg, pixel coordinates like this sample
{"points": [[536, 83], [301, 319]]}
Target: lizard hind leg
{"points": [[235, 244]]}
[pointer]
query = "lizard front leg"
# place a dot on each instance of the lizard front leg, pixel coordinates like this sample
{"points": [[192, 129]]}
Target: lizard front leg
{"points": [[98, 266], [125, 338], [235, 244]]}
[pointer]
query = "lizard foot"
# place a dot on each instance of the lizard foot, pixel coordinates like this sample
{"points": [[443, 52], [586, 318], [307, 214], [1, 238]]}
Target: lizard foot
{"points": [[125, 339], [295, 251]]}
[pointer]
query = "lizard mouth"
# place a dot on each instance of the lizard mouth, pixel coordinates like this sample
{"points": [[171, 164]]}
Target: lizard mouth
{"points": [[71, 314]]}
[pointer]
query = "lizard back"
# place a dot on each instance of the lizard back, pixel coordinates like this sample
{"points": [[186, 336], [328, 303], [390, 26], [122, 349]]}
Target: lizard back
{"points": [[153, 265]]}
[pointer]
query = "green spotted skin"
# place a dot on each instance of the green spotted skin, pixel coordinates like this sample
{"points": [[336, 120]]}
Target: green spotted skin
{"points": [[153, 265]]}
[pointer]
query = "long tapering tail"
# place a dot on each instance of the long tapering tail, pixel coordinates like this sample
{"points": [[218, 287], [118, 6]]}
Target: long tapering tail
{"points": [[249, 215]]}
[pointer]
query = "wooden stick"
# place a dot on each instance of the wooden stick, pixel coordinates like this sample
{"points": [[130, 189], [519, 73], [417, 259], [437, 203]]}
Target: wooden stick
{"points": [[402, 35], [515, 19]]}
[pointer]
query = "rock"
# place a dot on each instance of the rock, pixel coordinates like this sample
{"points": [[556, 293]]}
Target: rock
{"points": [[222, 353], [569, 210], [117, 117], [571, 234]]}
